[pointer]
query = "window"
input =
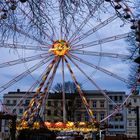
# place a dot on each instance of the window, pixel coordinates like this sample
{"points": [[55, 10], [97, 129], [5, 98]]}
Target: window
{"points": [[110, 97], [55, 103], [135, 123], [110, 107], [69, 103], [116, 127], [116, 119], [111, 126], [78, 103], [135, 100], [115, 98], [14, 110], [101, 103], [95, 115], [86, 116], [49, 103], [102, 115], [20, 110], [78, 117], [49, 112], [121, 119], [129, 111], [121, 127], [130, 122], [21, 102], [7, 101], [14, 102], [120, 98], [27, 102], [94, 104], [55, 113]]}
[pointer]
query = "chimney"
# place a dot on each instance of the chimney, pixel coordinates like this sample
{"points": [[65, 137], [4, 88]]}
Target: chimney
{"points": [[18, 90]]}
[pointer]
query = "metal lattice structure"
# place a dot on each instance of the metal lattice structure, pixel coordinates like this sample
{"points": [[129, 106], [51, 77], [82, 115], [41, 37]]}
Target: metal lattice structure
{"points": [[63, 35]]}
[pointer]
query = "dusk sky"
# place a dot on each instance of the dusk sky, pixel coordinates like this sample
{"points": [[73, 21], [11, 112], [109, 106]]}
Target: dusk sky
{"points": [[114, 65]]}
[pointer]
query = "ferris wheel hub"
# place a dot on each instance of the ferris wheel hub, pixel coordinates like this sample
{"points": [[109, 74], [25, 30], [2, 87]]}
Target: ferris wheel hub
{"points": [[60, 47]]}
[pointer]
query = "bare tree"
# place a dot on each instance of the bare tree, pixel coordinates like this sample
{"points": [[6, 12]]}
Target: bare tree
{"points": [[134, 44], [70, 87]]}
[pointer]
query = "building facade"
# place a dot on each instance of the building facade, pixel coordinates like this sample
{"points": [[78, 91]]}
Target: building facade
{"points": [[18, 101], [117, 121], [132, 103]]}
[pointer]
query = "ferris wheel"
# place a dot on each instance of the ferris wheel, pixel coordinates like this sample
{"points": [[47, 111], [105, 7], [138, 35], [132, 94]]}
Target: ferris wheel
{"points": [[79, 41]]}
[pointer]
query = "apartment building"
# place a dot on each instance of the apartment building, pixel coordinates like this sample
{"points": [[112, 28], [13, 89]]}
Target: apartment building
{"points": [[17, 102], [97, 103], [118, 120], [132, 103], [75, 110]]}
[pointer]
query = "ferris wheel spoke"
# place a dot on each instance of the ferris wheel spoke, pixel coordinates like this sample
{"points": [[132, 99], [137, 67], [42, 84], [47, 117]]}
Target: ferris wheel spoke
{"points": [[100, 69], [120, 107], [32, 20], [93, 30], [25, 47], [89, 111], [43, 96], [92, 81], [45, 76], [68, 29], [50, 80], [21, 31], [102, 41], [24, 60], [63, 92], [93, 10], [103, 54], [34, 85], [24, 74], [43, 79]]}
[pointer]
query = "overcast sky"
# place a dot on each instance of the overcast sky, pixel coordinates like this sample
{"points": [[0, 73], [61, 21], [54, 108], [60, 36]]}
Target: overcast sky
{"points": [[105, 82]]}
